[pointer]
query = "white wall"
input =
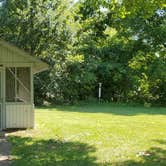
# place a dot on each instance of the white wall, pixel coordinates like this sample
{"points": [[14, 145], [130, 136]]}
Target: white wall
{"points": [[19, 115]]}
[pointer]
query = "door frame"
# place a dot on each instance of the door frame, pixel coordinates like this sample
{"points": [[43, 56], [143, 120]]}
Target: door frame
{"points": [[1, 98]]}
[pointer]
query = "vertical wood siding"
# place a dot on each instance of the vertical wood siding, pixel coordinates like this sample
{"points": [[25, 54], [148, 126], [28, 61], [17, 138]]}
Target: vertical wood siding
{"points": [[19, 116]]}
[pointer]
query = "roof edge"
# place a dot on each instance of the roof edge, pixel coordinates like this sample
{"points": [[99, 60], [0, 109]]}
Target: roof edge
{"points": [[25, 54]]}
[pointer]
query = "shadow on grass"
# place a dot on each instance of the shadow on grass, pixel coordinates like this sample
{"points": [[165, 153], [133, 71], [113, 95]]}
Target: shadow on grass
{"points": [[35, 152], [117, 109], [38, 152]]}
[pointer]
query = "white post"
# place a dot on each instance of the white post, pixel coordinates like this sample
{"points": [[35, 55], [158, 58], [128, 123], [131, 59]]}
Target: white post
{"points": [[99, 94]]}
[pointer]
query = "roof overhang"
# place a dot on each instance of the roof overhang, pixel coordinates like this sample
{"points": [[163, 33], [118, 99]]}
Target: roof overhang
{"points": [[38, 64]]}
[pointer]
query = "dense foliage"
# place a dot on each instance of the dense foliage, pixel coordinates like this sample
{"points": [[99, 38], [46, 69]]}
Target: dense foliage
{"points": [[121, 44]]}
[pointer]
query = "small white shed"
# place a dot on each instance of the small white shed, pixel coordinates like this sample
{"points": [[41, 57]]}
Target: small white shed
{"points": [[16, 86]]}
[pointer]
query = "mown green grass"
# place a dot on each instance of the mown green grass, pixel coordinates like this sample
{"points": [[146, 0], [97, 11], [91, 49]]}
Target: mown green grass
{"points": [[99, 135]]}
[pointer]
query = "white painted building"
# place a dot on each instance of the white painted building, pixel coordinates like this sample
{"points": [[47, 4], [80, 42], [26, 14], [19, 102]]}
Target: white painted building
{"points": [[16, 86]]}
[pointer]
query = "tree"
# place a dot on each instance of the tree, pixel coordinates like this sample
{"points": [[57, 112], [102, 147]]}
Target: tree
{"points": [[90, 42], [40, 27]]}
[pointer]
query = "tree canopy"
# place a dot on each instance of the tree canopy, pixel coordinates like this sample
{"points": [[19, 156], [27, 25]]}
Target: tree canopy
{"points": [[120, 43]]}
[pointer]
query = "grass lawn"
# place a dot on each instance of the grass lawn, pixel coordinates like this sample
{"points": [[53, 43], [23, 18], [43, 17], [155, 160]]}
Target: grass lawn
{"points": [[93, 135]]}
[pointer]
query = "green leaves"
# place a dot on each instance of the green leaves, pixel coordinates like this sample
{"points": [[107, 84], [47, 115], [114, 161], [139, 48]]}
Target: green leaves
{"points": [[119, 43]]}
